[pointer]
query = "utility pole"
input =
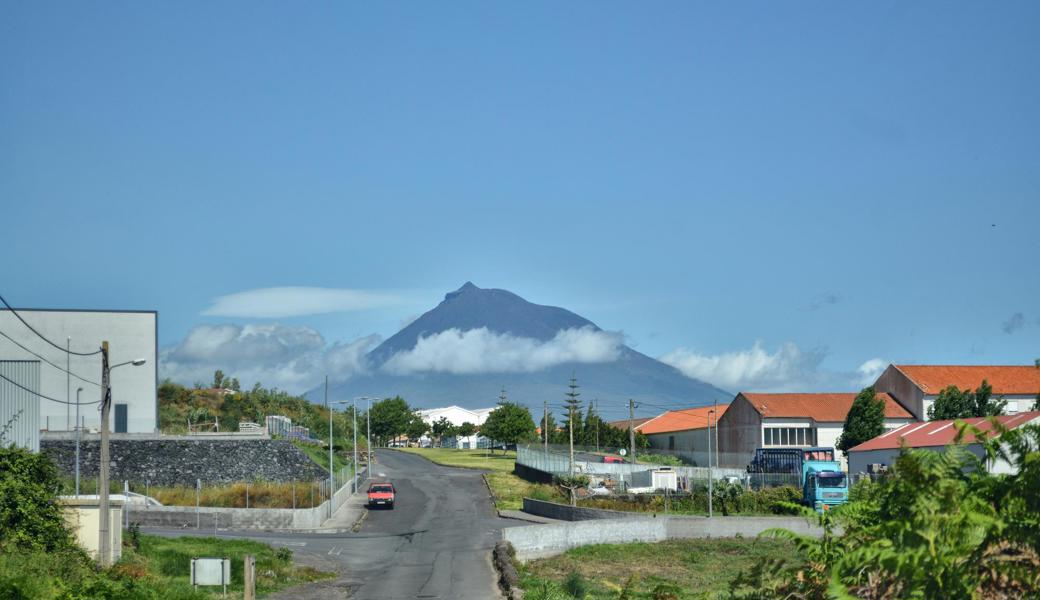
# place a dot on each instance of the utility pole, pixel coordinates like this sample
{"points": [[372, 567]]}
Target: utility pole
{"points": [[68, 381], [717, 447], [354, 486], [545, 424], [710, 482], [595, 403], [631, 430], [368, 440], [332, 476], [104, 526], [79, 434]]}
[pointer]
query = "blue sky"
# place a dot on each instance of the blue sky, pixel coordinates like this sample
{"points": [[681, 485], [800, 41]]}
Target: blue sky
{"points": [[846, 182]]}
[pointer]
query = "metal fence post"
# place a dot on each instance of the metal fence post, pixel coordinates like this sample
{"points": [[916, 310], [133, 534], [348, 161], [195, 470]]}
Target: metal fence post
{"points": [[126, 503], [247, 494], [198, 499], [294, 495]]}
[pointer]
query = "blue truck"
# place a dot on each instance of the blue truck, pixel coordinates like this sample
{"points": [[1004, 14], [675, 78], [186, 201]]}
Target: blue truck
{"points": [[823, 483]]}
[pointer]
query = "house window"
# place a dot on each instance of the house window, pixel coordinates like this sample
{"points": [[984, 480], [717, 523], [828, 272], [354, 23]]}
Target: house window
{"points": [[789, 436]]}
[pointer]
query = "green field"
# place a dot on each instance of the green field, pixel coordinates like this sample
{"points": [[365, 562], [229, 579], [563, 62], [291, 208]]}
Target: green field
{"points": [[508, 489], [156, 569], [680, 569]]}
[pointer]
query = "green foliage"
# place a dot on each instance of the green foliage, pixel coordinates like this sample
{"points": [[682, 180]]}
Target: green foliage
{"points": [[938, 526], [576, 586], [509, 423], [178, 404], [416, 427], [953, 403], [390, 418], [442, 428], [30, 517], [865, 421], [467, 429]]}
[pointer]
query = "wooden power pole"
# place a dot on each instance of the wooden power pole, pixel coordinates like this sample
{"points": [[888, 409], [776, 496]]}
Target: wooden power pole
{"points": [[104, 518]]}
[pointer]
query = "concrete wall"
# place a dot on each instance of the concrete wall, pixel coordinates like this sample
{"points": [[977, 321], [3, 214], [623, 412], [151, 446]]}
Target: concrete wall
{"points": [[565, 512], [182, 460], [541, 541], [131, 335], [905, 391], [691, 440], [211, 519], [740, 429]]}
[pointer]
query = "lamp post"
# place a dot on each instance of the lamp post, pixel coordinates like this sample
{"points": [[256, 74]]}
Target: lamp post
{"points": [[368, 434], [79, 434], [710, 477], [330, 434], [104, 518]]}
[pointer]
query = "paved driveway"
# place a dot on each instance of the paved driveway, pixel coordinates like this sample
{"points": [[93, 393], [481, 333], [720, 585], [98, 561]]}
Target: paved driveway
{"points": [[435, 543]]}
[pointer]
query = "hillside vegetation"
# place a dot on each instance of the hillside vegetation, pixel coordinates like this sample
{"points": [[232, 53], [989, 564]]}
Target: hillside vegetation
{"points": [[179, 405]]}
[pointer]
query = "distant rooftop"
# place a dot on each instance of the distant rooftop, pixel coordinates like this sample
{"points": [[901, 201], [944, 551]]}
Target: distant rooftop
{"points": [[1005, 379]]}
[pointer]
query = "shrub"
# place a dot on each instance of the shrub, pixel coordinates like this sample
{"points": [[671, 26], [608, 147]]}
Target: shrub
{"points": [[576, 586], [30, 516]]}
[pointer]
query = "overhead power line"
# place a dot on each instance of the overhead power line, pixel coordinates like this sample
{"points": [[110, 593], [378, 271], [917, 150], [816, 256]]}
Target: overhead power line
{"points": [[43, 337], [18, 385], [60, 368]]}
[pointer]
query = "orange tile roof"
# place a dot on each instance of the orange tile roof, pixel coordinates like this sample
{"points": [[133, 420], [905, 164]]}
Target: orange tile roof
{"points": [[636, 422], [1020, 379], [826, 408], [681, 420], [940, 433]]}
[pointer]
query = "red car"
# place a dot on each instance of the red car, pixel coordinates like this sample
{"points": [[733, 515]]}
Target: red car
{"points": [[381, 494], [613, 459]]}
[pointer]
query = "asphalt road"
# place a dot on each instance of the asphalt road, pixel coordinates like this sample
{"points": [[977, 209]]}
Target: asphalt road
{"points": [[435, 543]]}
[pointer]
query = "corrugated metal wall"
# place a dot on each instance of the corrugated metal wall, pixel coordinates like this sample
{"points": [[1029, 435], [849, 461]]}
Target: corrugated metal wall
{"points": [[20, 409]]}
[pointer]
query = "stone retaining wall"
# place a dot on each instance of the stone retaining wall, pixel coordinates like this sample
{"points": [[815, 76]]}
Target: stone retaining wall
{"points": [[181, 461]]}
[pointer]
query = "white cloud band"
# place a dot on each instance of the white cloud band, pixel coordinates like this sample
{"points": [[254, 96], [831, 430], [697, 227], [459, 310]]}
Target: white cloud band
{"points": [[483, 351], [280, 302]]}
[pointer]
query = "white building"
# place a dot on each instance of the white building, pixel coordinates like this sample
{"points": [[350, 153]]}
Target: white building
{"points": [[792, 420], [456, 415], [917, 386], [131, 335]]}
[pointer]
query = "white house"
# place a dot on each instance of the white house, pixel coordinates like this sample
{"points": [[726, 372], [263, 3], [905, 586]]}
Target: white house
{"points": [[917, 386], [932, 435], [756, 420]]}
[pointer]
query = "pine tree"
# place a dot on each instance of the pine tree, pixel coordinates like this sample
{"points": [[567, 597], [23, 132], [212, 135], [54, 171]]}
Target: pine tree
{"points": [[573, 411]]}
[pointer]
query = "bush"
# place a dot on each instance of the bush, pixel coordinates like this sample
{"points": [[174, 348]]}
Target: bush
{"points": [[576, 586], [30, 516]]}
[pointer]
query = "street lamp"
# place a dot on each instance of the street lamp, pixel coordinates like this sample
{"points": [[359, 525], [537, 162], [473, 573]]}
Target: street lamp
{"points": [[330, 439], [79, 434], [368, 434], [710, 477], [104, 536]]}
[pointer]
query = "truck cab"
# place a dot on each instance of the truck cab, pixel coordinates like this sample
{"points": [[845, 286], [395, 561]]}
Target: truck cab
{"points": [[823, 483]]}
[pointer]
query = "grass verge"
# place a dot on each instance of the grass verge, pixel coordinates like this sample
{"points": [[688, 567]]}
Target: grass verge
{"points": [[508, 489], [679, 569], [156, 569]]}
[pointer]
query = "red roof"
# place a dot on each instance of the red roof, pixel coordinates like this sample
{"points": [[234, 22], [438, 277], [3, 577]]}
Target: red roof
{"points": [[1004, 379], [682, 420], [825, 408], [940, 433], [636, 422]]}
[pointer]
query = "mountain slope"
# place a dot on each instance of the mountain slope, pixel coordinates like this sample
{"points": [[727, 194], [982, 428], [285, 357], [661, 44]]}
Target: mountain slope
{"points": [[633, 375]]}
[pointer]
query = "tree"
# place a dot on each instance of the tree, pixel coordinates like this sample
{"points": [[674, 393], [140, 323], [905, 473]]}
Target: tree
{"points": [[865, 421], [954, 403], [548, 425], [590, 434], [218, 379], [573, 423], [416, 427], [467, 429], [510, 423], [390, 418], [442, 428]]}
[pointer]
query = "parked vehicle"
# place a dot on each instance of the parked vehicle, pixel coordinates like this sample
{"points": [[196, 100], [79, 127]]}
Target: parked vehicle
{"points": [[613, 459], [824, 484], [381, 494]]}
